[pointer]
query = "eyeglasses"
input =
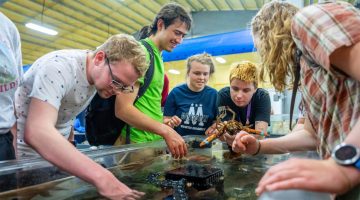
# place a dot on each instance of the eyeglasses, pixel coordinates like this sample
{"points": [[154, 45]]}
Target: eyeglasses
{"points": [[117, 85]]}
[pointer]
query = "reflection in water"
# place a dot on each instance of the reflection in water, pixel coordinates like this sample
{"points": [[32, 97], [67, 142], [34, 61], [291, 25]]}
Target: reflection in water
{"points": [[241, 176]]}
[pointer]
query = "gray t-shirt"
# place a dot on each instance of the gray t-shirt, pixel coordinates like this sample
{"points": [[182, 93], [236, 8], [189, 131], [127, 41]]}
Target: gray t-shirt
{"points": [[58, 78], [10, 71]]}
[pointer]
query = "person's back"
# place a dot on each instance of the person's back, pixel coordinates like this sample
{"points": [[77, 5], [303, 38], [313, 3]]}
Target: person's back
{"points": [[10, 78]]}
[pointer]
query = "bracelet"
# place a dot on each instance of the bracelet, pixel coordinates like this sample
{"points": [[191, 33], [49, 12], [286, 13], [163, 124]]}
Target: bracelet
{"points": [[258, 149]]}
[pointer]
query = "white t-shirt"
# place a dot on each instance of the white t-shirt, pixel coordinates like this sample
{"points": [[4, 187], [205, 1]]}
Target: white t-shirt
{"points": [[10, 71], [58, 78]]}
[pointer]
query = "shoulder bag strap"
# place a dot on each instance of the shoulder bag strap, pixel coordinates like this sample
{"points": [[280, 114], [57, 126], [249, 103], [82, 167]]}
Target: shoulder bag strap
{"points": [[298, 54], [147, 80]]}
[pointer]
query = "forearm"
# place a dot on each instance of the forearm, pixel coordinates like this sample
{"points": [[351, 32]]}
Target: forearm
{"points": [[50, 144], [300, 140], [352, 173], [131, 115], [298, 127], [354, 135]]}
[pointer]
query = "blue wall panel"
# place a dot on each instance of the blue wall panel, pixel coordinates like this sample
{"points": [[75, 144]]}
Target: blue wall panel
{"points": [[219, 44]]}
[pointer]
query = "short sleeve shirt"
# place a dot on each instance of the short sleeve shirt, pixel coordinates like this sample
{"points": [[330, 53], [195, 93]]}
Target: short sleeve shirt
{"points": [[197, 110], [150, 102], [259, 111], [331, 98], [58, 78], [10, 71]]}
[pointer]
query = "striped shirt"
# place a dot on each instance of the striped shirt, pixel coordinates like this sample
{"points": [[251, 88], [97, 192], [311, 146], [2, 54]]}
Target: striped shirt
{"points": [[332, 98]]}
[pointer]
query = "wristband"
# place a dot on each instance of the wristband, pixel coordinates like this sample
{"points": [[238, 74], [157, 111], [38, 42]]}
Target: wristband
{"points": [[258, 150]]}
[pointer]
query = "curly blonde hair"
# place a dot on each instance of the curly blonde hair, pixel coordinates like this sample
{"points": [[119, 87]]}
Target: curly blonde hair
{"points": [[203, 58], [124, 47], [244, 71], [272, 28]]}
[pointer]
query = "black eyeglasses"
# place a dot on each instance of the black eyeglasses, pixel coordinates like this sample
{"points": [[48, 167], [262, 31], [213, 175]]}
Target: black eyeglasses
{"points": [[117, 85]]}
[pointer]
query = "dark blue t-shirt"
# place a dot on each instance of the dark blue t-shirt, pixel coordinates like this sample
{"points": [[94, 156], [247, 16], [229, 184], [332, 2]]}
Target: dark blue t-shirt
{"points": [[260, 107], [197, 110]]}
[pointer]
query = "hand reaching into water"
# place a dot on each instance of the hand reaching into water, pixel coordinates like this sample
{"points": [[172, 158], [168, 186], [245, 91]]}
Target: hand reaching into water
{"points": [[110, 187], [308, 174]]}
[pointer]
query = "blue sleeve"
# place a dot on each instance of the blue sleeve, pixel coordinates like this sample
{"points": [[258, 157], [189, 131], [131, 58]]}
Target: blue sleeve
{"points": [[170, 105]]}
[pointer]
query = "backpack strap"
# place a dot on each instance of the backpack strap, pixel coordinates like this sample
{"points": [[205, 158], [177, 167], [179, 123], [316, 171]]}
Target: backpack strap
{"points": [[149, 73], [298, 54], [311, 63], [147, 80]]}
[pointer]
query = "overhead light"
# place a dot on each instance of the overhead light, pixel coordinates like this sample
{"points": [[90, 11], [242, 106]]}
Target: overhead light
{"points": [[220, 60], [173, 71], [41, 29]]}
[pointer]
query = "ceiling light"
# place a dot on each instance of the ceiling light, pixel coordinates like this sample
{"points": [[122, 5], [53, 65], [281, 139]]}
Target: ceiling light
{"points": [[220, 60], [173, 71], [41, 29]]}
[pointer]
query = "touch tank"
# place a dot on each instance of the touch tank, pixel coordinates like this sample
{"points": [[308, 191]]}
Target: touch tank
{"points": [[145, 167]]}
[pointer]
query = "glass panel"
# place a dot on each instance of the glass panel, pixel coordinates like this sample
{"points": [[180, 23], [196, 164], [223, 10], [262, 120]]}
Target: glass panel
{"points": [[132, 164]]}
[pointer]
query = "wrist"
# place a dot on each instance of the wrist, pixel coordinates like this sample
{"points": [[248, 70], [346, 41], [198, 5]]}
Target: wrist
{"points": [[350, 173], [163, 130], [101, 178]]}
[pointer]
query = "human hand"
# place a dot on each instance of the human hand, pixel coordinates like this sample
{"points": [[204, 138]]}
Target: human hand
{"points": [[308, 174], [176, 144], [229, 139], [173, 121], [212, 130], [245, 143], [111, 188]]}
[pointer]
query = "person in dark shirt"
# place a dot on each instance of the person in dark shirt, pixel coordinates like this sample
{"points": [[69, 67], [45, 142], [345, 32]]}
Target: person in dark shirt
{"points": [[191, 107], [250, 104]]}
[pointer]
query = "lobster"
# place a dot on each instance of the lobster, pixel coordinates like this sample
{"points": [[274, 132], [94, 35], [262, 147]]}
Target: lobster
{"points": [[232, 127]]}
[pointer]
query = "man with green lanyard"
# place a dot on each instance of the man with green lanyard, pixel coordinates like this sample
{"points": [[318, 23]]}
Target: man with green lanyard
{"points": [[145, 117]]}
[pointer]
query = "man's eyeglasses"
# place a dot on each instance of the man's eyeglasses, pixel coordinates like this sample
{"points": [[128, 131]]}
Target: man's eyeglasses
{"points": [[117, 85]]}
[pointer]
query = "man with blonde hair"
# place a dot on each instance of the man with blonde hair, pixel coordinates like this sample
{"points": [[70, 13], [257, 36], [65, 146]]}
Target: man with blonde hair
{"points": [[58, 86], [251, 104]]}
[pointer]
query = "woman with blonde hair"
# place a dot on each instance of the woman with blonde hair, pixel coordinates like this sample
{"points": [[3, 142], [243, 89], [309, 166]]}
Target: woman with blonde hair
{"points": [[191, 107], [319, 46]]}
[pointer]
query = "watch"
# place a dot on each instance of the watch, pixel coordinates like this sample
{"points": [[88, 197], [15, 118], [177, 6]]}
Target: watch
{"points": [[346, 154]]}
